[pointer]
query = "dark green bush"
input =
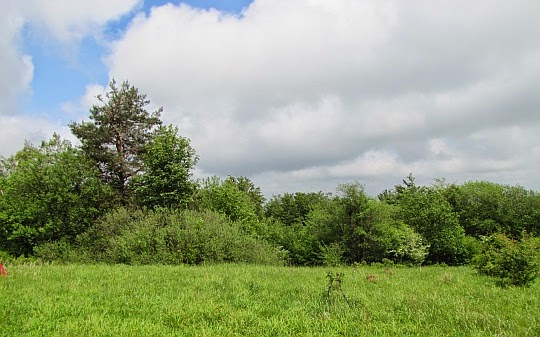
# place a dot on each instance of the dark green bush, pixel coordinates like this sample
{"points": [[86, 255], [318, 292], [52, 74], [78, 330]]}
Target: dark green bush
{"points": [[5, 257], [48, 193], [59, 251], [512, 262]]}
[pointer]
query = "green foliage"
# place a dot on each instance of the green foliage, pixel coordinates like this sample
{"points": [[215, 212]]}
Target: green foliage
{"points": [[168, 160], [513, 262], [49, 193], [227, 197], [404, 245], [117, 135], [428, 212], [254, 192], [5, 257], [485, 208], [295, 241], [331, 255], [60, 251], [367, 229], [347, 228], [382, 235], [351, 203], [294, 208], [166, 236]]}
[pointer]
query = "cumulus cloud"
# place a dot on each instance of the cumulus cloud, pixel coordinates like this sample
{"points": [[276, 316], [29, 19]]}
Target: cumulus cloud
{"points": [[305, 94], [70, 21], [65, 22], [78, 111], [301, 93], [17, 68], [16, 130]]}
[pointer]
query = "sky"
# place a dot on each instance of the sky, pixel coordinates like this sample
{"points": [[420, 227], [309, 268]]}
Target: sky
{"points": [[297, 95]]}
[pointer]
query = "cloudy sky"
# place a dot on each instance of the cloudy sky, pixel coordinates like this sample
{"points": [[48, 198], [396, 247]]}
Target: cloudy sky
{"points": [[298, 95]]}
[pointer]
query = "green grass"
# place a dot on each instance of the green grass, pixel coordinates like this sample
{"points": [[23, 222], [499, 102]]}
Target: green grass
{"points": [[245, 300]]}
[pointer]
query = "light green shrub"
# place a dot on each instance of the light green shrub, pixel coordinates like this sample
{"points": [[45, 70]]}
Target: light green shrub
{"points": [[165, 236], [513, 262]]}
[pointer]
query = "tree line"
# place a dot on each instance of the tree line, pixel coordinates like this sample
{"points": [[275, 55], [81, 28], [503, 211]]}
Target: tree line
{"points": [[127, 195]]}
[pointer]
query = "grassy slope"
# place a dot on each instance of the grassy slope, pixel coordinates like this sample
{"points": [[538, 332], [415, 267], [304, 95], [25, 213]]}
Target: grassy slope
{"points": [[241, 300]]}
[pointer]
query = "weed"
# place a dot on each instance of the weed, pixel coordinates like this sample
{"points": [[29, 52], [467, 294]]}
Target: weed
{"points": [[335, 287], [446, 278]]}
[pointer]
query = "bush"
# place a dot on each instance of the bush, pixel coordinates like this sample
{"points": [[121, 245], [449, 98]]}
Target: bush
{"points": [[5, 257], [164, 236], [427, 211], [512, 262], [408, 247], [331, 255], [59, 251], [48, 193]]}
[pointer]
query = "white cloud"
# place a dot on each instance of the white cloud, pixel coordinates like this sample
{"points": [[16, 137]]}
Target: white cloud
{"points": [[308, 92], [70, 21], [304, 94], [65, 22], [16, 67], [79, 110], [370, 163], [16, 130]]}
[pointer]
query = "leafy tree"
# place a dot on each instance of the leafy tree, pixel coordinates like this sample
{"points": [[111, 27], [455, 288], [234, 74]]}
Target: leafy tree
{"points": [[168, 159], [349, 204], [349, 227], [227, 198], [294, 208], [254, 192], [48, 193], [428, 212], [485, 208], [479, 205], [382, 234], [388, 197], [391, 197], [117, 135], [521, 212]]}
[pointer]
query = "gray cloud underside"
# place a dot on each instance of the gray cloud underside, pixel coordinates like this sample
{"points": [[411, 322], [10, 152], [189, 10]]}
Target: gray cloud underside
{"points": [[301, 95]]}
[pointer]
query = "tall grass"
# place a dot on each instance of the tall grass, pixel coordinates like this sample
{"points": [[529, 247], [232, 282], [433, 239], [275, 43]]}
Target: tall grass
{"points": [[248, 300]]}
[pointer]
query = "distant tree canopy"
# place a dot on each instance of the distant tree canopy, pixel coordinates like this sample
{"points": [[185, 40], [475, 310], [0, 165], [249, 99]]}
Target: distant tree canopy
{"points": [[127, 195]]}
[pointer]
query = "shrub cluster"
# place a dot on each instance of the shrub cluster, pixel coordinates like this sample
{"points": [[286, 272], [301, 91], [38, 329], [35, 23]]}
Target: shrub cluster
{"points": [[162, 236], [512, 262]]}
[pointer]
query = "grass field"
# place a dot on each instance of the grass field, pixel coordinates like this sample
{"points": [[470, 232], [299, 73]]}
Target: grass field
{"points": [[245, 300]]}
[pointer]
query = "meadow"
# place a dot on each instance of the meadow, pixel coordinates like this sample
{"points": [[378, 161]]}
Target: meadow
{"points": [[252, 300]]}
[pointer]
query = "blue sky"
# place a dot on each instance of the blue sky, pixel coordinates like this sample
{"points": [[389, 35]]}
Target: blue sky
{"points": [[61, 73], [298, 95]]}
